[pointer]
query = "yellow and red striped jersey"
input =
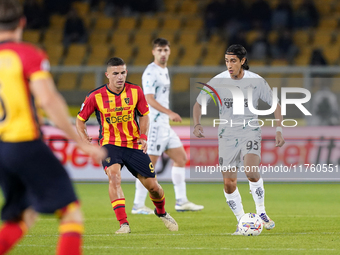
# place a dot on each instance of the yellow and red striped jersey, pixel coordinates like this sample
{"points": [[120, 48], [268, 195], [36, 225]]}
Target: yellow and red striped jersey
{"points": [[19, 64], [116, 114]]}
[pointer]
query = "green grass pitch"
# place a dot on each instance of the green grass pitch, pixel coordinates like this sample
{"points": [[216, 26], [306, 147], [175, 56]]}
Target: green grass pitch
{"points": [[306, 215]]}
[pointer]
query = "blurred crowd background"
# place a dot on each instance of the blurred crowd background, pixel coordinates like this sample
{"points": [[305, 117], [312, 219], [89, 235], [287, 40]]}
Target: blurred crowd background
{"points": [[280, 36]]}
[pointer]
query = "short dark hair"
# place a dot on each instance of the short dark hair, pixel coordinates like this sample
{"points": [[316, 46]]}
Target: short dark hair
{"points": [[11, 12], [160, 42], [240, 52], [115, 62]]}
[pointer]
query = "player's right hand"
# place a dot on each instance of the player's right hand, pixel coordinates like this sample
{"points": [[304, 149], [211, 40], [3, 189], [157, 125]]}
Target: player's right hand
{"points": [[144, 144], [198, 131], [175, 117], [94, 151]]}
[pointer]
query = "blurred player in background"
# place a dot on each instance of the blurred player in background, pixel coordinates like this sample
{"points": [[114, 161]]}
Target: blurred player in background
{"points": [[240, 139], [31, 177], [117, 105], [156, 85]]}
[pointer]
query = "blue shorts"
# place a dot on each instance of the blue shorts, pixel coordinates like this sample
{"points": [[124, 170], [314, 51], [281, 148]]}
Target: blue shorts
{"points": [[136, 161], [30, 175]]}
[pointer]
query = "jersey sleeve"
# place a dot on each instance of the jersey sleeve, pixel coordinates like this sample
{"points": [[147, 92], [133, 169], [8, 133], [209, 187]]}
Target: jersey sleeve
{"points": [[266, 93], [149, 82], [36, 64], [142, 106], [87, 108]]}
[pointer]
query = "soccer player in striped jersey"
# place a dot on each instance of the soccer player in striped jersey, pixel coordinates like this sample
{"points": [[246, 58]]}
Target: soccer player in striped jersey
{"points": [[162, 138], [117, 105], [31, 177], [240, 140]]}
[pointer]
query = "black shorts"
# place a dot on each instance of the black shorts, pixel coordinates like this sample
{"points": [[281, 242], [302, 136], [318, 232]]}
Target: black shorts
{"points": [[30, 175], [136, 161]]}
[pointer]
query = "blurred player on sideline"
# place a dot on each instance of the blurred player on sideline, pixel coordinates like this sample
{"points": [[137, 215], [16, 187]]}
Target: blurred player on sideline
{"points": [[117, 105], [156, 85], [31, 177], [240, 139]]}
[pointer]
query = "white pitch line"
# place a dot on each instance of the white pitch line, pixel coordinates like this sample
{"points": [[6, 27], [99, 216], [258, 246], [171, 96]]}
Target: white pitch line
{"points": [[221, 217], [192, 248], [309, 216], [211, 248], [198, 234]]}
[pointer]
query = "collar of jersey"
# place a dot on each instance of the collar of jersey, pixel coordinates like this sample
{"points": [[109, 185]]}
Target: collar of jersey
{"points": [[107, 87]]}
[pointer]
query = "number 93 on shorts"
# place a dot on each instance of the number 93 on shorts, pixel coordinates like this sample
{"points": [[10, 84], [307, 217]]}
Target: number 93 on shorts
{"points": [[233, 149]]}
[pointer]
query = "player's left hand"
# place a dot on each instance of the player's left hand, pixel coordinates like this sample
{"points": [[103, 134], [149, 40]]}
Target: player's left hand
{"points": [[279, 141], [143, 143]]}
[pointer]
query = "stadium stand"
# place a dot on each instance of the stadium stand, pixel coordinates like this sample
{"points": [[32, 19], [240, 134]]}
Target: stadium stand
{"points": [[182, 22], [55, 53], [87, 82], [67, 81], [99, 55], [75, 55]]}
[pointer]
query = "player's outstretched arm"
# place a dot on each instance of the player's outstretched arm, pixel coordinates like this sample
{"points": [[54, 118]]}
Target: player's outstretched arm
{"points": [[198, 129], [144, 128], [150, 98], [279, 141], [55, 107]]}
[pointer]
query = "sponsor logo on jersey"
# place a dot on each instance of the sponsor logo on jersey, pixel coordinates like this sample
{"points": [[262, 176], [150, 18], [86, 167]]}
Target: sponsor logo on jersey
{"points": [[119, 119], [228, 102], [118, 109]]}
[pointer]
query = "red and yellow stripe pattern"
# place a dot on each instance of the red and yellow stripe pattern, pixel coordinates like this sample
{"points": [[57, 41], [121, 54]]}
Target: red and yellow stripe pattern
{"points": [[19, 64], [116, 114]]}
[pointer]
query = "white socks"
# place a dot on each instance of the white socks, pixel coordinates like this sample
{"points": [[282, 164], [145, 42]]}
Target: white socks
{"points": [[257, 190], [140, 195], [178, 179], [235, 203]]}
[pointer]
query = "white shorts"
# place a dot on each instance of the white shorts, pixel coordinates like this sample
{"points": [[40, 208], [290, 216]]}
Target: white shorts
{"points": [[162, 138], [233, 149]]}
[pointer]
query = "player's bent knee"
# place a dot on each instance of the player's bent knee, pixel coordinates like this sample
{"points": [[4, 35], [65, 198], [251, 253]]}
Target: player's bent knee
{"points": [[230, 185], [181, 161], [154, 188], [184, 160], [230, 182], [114, 176]]}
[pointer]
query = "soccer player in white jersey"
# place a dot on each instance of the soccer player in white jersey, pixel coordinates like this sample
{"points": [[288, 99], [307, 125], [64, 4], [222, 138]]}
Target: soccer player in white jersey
{"points": [[240, 139], [156, 86]]}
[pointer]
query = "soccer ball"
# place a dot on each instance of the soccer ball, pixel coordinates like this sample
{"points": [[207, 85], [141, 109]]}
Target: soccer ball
{"points": [[250, 224]]}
